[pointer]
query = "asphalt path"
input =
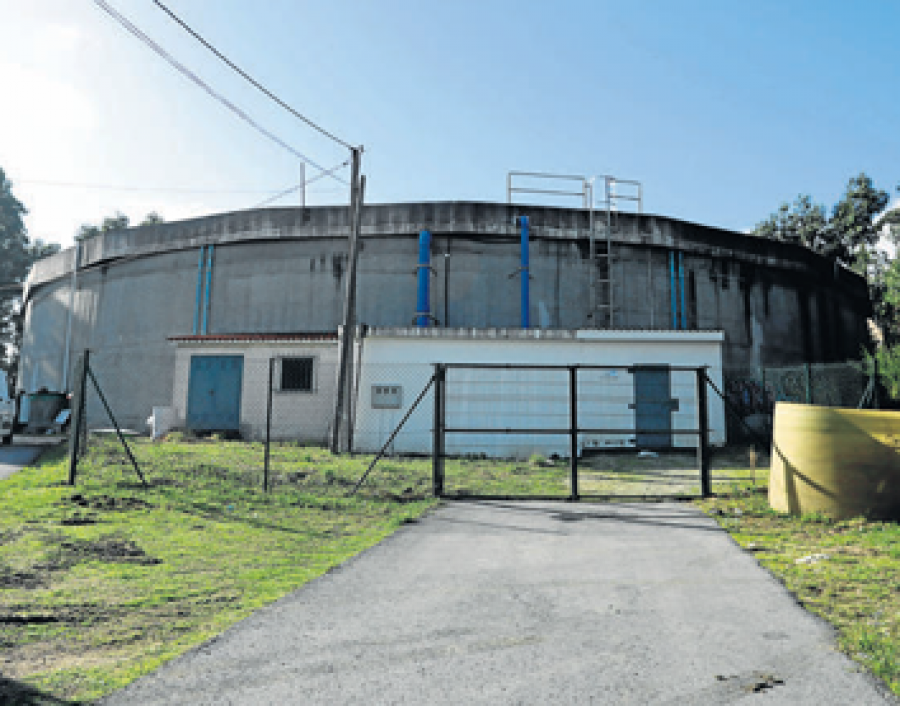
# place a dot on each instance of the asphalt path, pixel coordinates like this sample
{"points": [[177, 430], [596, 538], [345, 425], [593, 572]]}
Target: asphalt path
{"points": [[15, 458], [529, 603]]}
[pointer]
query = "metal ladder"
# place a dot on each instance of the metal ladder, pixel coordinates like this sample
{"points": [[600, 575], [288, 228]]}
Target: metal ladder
{"points": [[602, 307], [602, 304]]}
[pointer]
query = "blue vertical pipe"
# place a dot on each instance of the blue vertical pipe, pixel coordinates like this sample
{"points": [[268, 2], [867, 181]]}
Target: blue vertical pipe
{"points": [[524, 271], [209, 266], [199, 290], [681, 288], [673, 293], [423, 271]]}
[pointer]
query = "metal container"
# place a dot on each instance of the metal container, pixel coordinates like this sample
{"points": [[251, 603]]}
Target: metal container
{"points": [[840, 462], [43, 408]]}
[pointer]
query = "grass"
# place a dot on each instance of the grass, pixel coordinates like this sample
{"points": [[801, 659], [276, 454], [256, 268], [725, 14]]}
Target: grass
{"points": [[104, 582], [844, 571], [604, 475]]}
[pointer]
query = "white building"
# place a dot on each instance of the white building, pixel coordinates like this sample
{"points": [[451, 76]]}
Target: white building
{"points": [[649, 386]]}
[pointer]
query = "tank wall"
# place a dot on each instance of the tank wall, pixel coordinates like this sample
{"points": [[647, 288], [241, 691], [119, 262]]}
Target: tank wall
{"points": [[43, 340], [772, 311]]}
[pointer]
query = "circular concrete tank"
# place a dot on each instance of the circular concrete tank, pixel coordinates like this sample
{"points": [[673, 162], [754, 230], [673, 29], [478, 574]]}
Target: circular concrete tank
{"points": [[284, 270]]}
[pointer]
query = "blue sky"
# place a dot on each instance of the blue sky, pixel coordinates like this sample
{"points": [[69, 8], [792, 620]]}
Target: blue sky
{"points": [[722, 109]]}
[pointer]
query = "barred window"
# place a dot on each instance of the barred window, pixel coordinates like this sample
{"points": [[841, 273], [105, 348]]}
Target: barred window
{"points": [[297, 374]]}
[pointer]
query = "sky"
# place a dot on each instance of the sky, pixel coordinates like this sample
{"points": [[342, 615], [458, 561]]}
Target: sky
{"points": [[722, 109]]}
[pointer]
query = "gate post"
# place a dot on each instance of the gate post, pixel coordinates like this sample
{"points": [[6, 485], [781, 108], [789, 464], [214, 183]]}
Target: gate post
{"points": [[78, 413], [268, 426], [437, 453], [573, 432], [703, 441]]}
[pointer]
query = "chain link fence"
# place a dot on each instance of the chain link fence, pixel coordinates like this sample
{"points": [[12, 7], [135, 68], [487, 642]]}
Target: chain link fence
{"points": [[272, 418], [260, 422], [751, 393]]}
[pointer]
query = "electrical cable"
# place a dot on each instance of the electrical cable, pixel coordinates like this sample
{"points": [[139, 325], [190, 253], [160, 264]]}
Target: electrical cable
{"points": [[111, 187], [249, 78], [309, 181], [187, 73]]}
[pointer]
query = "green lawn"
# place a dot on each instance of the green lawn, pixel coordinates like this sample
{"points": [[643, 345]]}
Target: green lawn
{"points": [[106, 581], [103, 582]]}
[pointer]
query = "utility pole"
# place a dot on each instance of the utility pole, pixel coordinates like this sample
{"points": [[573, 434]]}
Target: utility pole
{"points": [[302, 184], [342, 399]]}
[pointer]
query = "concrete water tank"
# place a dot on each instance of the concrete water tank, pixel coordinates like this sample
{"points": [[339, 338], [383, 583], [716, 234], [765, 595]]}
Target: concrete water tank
{"points": [[840, 462]]}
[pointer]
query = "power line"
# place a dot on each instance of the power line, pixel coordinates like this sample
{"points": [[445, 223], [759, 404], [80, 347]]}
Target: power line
{"points": [[249, 78], [187, 73], [165, 189], [300, 186]]}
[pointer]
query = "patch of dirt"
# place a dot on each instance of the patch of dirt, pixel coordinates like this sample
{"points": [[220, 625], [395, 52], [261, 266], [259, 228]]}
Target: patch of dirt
{"points": [[163, 482], [10, 535], [107, 502], [110, 549], [82, 615], [21, 579], [409, 495], [64, 654], [79, 519], [29, 619]]}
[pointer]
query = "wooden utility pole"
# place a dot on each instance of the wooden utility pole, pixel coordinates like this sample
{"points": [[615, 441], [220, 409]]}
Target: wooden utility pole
{"points": [[339, 433]]}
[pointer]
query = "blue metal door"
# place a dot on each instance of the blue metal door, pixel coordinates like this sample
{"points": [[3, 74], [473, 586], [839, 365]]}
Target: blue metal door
{"points": [[214, 393], [653, 407]]}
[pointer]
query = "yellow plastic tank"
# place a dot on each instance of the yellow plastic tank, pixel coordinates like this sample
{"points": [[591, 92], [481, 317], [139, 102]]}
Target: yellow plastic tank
{"points": [[841, 462]]}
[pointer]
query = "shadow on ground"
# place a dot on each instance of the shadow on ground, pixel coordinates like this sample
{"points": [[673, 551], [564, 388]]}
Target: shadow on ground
{"points": [[632, 513], [15, 693]]}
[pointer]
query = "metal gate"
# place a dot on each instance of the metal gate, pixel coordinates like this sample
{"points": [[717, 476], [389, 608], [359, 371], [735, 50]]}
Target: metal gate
{"points": [[214, 393], [549, 424]]}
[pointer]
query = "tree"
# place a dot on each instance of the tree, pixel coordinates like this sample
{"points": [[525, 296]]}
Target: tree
{"points": [[152, 219], [804, 223], [852, 235], [17, 253], [854, 227], [118, 222], [110, 223], [851, 231]]}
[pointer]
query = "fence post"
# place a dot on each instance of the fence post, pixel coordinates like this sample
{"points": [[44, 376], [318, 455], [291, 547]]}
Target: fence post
{"points": [[703, 441], [77, 415], [807, 379], [268, 425], [437, 455], [876, 397], [762, 383], [573, 433]]}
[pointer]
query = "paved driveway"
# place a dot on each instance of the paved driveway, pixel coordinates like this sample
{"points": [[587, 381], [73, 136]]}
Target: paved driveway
{"points": [[514, 603], [14, 458]]}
